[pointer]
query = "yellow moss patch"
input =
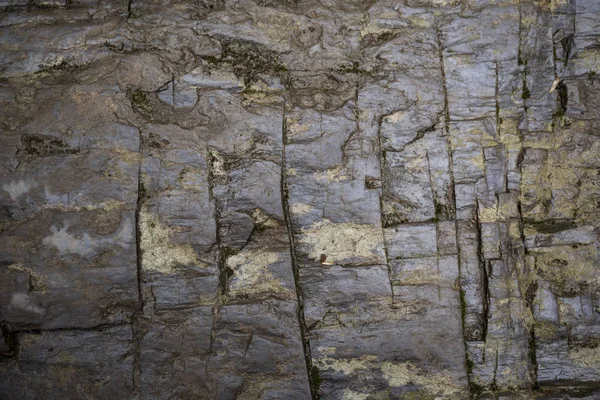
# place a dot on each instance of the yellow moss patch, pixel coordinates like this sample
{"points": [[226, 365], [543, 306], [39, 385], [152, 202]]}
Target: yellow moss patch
{"points": [[345, 365], [395, 117], [589, 59], [294, 128], [344, 241], [334, 174], [439, 3], [558, 3], [217, 166], [126, 156], [37, 281], [488, 214], [262, 220], [586, 357], [564, 265], [509, 134], [300, 209], [545, 331], [260, 98], [419, 277], [251, 274], [514, 230], [437, 384], [371, 29], [159, 253], [418, 21], [352, 395]]}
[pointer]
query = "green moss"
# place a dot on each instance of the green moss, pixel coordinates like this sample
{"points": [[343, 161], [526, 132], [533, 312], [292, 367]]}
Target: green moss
{"points": [[139, 99], [441, 211], [211, 59], [419, 395], [470, 365], [51, 69], [476, 389], [225, 273], [315, 380], [354, 69], [532, 349], [559, 113], [248, 59], [526, 93], [463, 307], [142, 193], [182, 173], [376, 39], [10, 339], [551, 226], [45, 146]]}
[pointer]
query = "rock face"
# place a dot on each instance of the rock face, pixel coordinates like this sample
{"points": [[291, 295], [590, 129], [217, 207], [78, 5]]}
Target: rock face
{"points": [[296, 199]]}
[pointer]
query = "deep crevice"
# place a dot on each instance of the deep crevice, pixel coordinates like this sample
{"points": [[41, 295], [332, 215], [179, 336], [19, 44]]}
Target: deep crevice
{"points": [[311, 370], [484, 276], [382, 162], [10, 338], [95, 328], [224, 253], [135, 325], [451, 193]]}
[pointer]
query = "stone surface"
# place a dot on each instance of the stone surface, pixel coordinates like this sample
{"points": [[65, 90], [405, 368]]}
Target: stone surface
{"points": [[314, 199]]}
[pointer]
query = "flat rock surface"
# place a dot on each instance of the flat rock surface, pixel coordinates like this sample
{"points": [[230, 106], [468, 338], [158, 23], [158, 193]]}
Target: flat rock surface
{"points": [[300, 199]]}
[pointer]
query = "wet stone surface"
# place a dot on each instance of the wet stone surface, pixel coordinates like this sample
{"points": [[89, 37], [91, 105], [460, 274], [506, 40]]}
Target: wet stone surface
{"points": [[300, 199]]}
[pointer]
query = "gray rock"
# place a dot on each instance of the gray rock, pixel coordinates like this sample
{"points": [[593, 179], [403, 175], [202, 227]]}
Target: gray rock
{"points": [[282, 199]]}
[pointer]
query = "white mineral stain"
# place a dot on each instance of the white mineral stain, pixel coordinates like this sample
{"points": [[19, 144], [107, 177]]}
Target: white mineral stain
{"points": [[25, 302], [86, 245], [16, 189]]}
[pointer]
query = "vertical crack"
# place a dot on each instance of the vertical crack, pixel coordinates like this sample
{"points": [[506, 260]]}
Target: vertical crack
{"points": [[562, 97], [451, 212], [484, 277], [141, 197], [135, 324], [503, 147], [532, 344], [311, 370], [382, 164], [214, 167], [137, 335], [530, 282], [10, 339], [463, 314], [494, 385]]}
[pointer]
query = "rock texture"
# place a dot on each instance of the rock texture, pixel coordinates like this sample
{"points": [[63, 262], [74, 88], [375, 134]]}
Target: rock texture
{"points": [[296, 199]]}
